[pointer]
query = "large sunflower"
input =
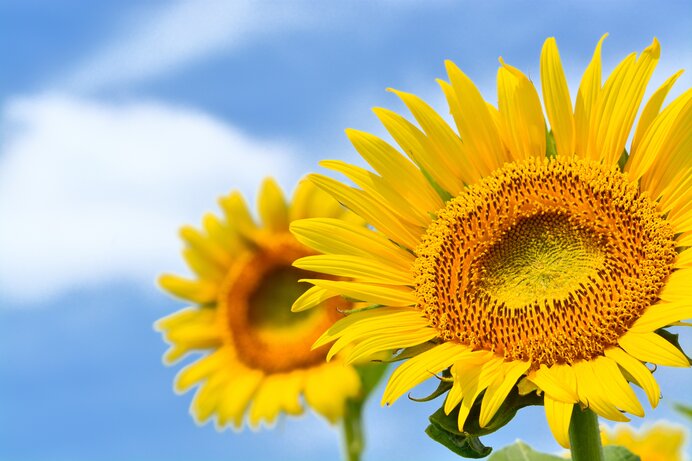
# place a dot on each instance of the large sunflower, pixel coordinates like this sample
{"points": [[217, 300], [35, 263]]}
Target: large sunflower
{"points": [[257, 355], [518, 252]]}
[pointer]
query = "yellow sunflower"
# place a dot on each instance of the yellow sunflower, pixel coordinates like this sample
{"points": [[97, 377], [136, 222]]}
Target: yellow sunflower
{"points": [[660, 442], [516, 252], [257, 356]]}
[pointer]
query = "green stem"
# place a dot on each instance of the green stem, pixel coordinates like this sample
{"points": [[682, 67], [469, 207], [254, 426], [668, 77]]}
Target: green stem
{"points": [[584, 436], [354, 441]]}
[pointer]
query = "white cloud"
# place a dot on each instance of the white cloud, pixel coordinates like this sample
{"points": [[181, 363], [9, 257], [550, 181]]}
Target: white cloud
{"points": [[92, 191], [167, 38]]}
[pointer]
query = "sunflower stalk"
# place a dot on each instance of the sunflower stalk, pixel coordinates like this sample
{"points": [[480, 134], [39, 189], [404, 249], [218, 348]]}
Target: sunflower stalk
{"points": [[354, 441], [585, 436]]}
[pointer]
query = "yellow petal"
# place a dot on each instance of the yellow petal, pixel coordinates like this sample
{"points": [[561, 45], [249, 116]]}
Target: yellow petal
{"points": [[314, 296], [421, 367], [475, 124], [520, 114], [652, 109], [197, 291], [199, 370], [310, 201], [587, 96], [619, 102], [643, 376], [207, 398], [677, 286], [620, 393], [497, 392], [661, 315], [205, 246], [558, 104], [326, 382], [404, 176], [332, 236], [420, 149], [374, 294], [237, 395], [650, 347], [358, 268], [552, 381], [374, 212], [272, 207], [592, 392], [237, 214], [559, 415]]}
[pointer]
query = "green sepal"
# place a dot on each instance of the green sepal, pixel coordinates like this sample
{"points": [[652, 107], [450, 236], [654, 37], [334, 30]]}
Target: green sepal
{"points": [[685, 410], [673, 339], [467, 446], [550, 147], [622, 161], [443, 386], [519, 451], [617, 453], [370, 376]]}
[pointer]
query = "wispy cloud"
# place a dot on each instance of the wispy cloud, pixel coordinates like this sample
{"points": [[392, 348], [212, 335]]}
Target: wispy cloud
{"points": [[167, 38], [92, 191]]}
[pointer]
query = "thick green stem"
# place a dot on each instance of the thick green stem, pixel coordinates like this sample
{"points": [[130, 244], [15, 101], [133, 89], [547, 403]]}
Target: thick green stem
{"points": [[584, 436], [353, 429]]}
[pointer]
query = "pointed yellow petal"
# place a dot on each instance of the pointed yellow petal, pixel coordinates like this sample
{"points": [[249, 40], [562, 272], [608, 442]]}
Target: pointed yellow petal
{"points": [[592, 392], [326, 382], [643, 376], [587, 96], [474, 378], [197, 291], [420, 149], [497, 392], [652, 109], [620, 393], [208, 397], [551, 381], [520, 114], [359, 268], [650, 347], [310, 201], [237, 395], [237, 214], [619, 102], [559, 415], [388, 296], [332, 236], [374, 212], [661, 315], [677, 287], [199, 370], [272, 207], [314, 296], [365, 349], [475, 124], [403, 175], [421, 367], [205, 246], [558, 104], [382, 189]]}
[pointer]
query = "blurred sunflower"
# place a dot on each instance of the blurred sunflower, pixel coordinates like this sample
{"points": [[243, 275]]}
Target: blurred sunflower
{"points": [[516, 252], [660, 442], [257, 353]]}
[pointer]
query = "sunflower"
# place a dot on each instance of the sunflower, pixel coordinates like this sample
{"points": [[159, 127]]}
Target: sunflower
{"points": [[514, 252], [257, 358], [660, 442]]}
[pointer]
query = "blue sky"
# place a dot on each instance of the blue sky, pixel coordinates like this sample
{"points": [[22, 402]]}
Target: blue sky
{"points": [[119, 121]]}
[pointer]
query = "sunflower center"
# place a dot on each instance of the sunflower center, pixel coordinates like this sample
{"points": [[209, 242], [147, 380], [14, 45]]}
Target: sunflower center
{"points": [[542, 257], [544, 261], [255, 306]]}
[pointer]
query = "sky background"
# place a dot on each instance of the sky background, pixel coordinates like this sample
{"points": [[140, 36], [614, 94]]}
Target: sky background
{"points": [[122, 120]]}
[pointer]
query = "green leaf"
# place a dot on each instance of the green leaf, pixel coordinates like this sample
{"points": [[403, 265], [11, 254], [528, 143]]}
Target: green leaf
{"points": [[616, 453], [467, 446], [622, 161], [684, 410], [519, 451]]}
